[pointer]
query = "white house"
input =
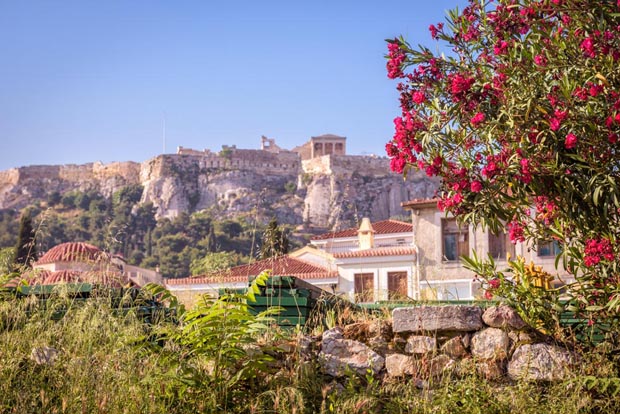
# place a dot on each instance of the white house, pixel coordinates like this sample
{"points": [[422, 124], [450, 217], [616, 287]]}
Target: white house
{"points": [[373, 262]]}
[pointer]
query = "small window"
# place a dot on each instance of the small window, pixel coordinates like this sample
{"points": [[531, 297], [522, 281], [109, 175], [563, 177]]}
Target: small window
{"points": [[455, 240], [499, 245], [548, 248]]}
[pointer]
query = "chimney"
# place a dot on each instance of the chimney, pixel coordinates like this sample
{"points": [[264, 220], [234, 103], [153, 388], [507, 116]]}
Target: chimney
{"points": [[366, 235]]}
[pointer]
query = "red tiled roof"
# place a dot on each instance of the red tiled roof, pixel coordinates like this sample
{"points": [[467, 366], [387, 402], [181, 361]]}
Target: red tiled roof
{"points": [[380, 227], [281, 266], [61, 276], [45, 277], [71, 252], [383, 251]]}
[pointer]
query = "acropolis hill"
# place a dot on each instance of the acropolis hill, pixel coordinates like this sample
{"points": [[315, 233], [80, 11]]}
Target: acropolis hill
{"points": [[316, 184]]}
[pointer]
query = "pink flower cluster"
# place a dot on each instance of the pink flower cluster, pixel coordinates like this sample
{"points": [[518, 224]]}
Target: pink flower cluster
{"points": [[546, 209], [516, 232], [396, 57], [493, 284], [597, 250]]}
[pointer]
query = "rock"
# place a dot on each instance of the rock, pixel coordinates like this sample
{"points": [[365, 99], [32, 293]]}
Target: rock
{"points": [[399, 365], [439, 365], [490, 344], [437, 318], [339, 355], [379, 345], [540, 362], [420, 345], [519, 338], [454, 348], [503, 316], [331, 334], [490, 370], [45, 355], [381, 328]]}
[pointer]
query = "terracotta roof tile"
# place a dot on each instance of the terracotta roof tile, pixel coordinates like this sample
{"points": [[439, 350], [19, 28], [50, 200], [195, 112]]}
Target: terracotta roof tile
{"points": [[380, 227], [385, 251], [71, 252], [420, 202], [281, 266]]}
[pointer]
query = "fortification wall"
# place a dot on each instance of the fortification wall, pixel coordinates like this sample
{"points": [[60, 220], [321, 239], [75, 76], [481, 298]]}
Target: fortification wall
{"points": [[129, 170], [38, 172], [348, 164], [75, 173]]}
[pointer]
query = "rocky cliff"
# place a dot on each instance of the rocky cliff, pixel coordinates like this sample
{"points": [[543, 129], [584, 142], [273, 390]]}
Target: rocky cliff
{"points": [[326, 192]]}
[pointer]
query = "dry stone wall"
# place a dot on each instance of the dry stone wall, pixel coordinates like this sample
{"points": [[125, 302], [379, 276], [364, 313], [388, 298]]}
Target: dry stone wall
{"points": [[427, 342]]}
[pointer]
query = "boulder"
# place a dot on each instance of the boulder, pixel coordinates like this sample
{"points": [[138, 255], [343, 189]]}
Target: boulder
{"points": [[399, 365], [540, 362], [440, 364], [490, 344], [503, 316], [454, 347], [437, 318], [490, 370], [417, 344], [339, 355], [45, 355]]}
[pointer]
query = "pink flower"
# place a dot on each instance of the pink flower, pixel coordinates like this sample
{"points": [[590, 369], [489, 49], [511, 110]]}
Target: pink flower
{"points": [[494, 283], [540, 60], [418, 97], [571, 141], [476, 186], [477, 119], [515, 232]]}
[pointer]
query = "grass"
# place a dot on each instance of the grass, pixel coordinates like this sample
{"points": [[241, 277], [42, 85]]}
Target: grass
{"points": [[111, 362]]}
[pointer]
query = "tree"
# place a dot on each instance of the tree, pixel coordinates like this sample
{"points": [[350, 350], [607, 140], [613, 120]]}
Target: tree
{"points": [[520, 117], [215, 262], [25, 249], [275, 241]]}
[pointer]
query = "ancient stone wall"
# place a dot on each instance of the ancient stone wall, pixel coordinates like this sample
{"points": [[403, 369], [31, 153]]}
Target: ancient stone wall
{"points": [[428, 342]]}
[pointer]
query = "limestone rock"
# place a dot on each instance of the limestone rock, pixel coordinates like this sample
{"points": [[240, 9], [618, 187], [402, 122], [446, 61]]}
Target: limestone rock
{"points": [[437, 318], [399, 365], [45, 355], [339, 355], [454, 348], [440, 364], [540, 362], [490, 370], [503, 316], [417, 344], [490, 344]]}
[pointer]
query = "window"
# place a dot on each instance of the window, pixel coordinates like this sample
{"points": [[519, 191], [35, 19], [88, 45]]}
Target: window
{"points": [[397, 285], [364, 287], [499, 245], [548, 248], [455, 240]]}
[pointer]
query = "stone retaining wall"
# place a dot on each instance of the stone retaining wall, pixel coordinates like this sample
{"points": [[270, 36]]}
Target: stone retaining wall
{"points": [[430, 341]]}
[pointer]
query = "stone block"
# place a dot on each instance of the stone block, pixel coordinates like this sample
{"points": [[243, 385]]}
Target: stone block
{"points": [[417, 344], [437, 318], [540, 362], [490, 344], [503, 316]]}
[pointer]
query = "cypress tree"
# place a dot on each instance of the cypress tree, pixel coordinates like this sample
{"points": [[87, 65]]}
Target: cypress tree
{"points": [[275, 241], [25, 249]]}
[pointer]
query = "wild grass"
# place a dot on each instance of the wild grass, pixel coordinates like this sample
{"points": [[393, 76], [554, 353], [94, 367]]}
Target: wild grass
{"points": [[113, 362]]}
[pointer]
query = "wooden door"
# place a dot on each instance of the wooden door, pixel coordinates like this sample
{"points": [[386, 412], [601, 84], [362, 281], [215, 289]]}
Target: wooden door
{"points": [[397, 285]]}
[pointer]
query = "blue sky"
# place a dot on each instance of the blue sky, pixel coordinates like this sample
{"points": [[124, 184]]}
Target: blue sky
{"points": [[84, 81]]}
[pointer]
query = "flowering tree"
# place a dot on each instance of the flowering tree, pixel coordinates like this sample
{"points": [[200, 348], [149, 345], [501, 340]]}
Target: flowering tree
{"points": [[521, 120]]}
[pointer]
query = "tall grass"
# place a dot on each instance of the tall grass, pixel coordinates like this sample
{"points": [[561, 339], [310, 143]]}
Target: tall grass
{"points": [[113, 362]]}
